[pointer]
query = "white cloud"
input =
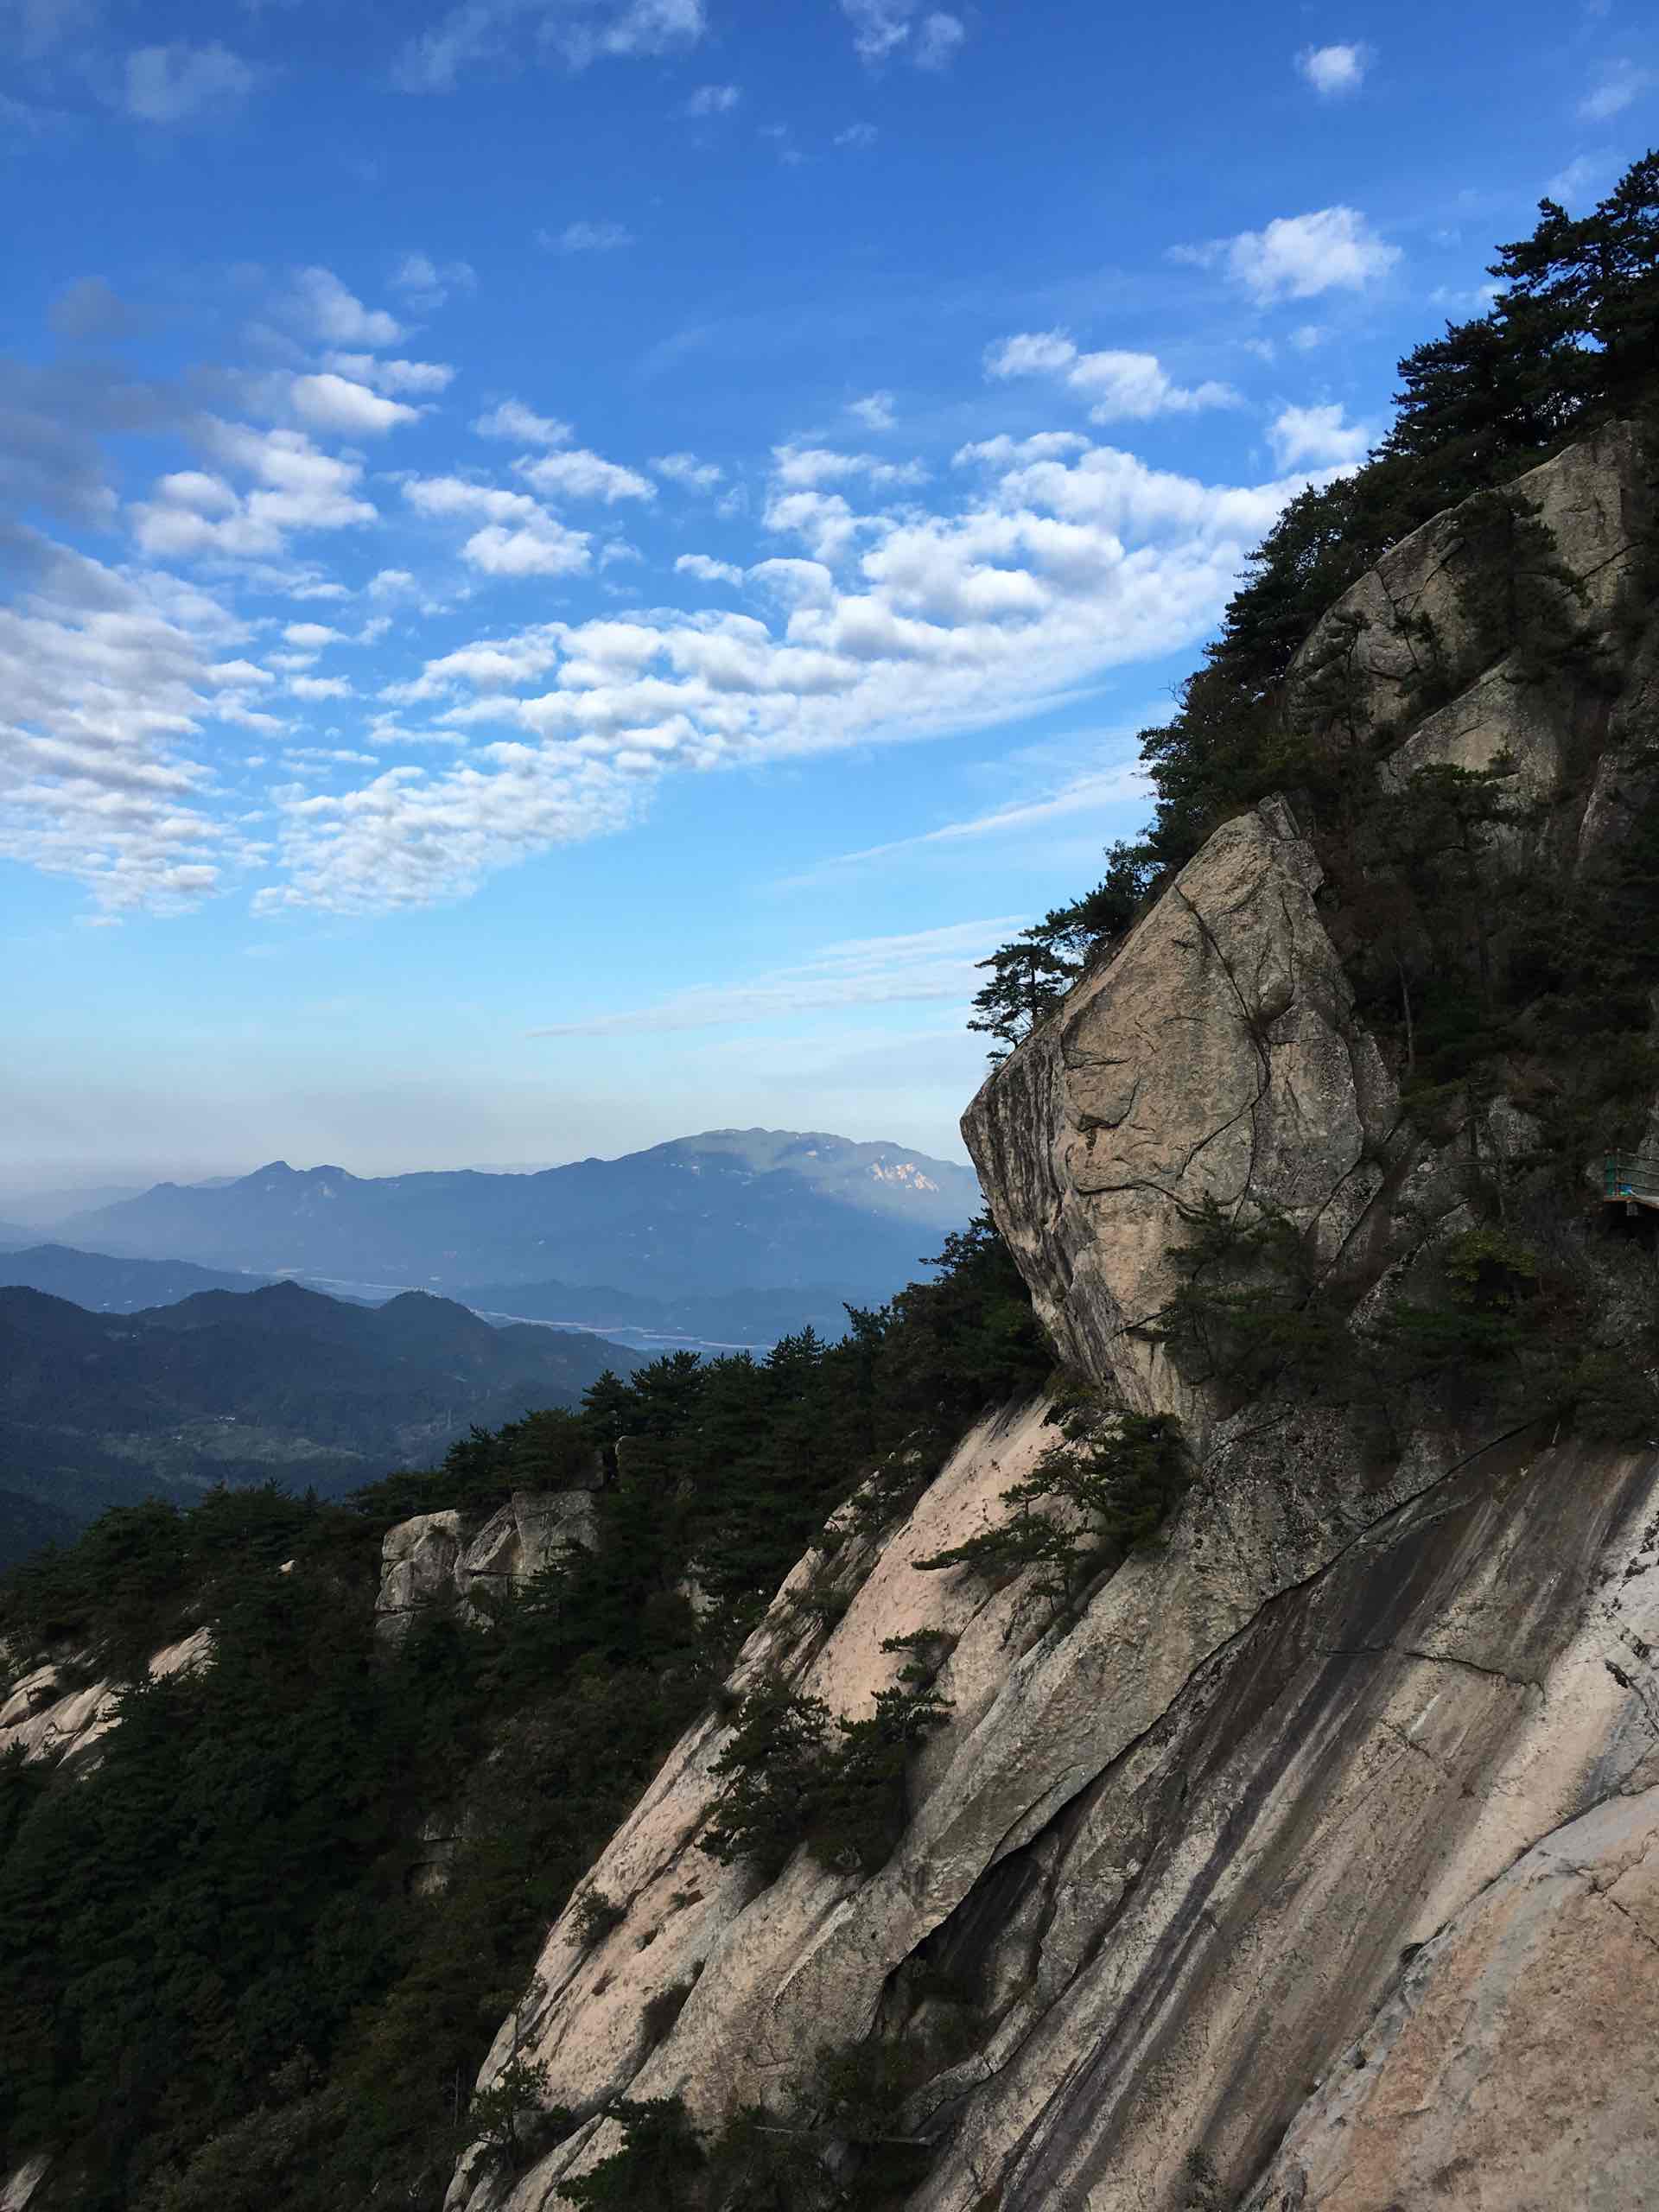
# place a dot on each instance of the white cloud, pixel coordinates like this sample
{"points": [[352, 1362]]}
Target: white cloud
{"points": [[312, 634], [1064, 563], [182, 83], [422, 377], [885, 30], [319, 687], [686, 469], [805, 467], [917, 968], [781, 139], [392, 583], [192, 514], [1120, 386], [713, 100], [496, 33], [1004, 452], [518, 538], [106, 679], [37, 26], [938, 37], [1317, 437], [874, 410], [707, 570], [1298, 257], [1468, 299], [1123, 782], [579, 474], [1579, 183], [1307, 335], [512, 419], [1334, 71], [333, 403], [587, 237], [1618, 86], [323, 306], [429, 283], [857, 135]]}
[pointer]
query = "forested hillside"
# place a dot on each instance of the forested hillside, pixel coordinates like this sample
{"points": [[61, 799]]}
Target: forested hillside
{"points": [[219, 1990], [244, 1386]]}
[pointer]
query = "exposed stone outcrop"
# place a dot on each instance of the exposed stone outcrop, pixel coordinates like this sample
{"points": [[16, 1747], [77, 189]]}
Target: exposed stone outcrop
{"points": [[1217, 1057], [1312, 1863], [1175, 1849], [19, 2188], [52, 1715], [432, 1559], [1406, 622]]}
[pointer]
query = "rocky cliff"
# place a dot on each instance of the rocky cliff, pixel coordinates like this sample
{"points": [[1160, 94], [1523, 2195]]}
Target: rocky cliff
{"points": [[1309, 1859]]}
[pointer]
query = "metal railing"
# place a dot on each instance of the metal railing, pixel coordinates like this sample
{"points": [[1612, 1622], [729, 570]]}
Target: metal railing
{"points": [[1631, 1175]]}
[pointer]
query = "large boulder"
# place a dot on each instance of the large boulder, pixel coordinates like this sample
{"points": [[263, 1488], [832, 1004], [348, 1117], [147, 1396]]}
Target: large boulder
{"points": [[1217, 1057]]}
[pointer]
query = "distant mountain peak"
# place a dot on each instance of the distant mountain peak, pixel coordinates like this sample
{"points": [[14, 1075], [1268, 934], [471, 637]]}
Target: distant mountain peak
{"points": [[723, 1211]]}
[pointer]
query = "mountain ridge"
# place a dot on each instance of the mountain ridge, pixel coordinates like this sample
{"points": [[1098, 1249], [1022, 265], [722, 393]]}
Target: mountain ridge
{"points": [[723, 1210], [247, 1386]]}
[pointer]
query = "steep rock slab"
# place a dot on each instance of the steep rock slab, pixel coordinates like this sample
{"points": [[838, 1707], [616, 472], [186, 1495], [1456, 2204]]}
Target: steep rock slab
{"points": [[1194, 1947], [1517, 2063], [1216, 1058], [1200, 1820], [690, 1920]]}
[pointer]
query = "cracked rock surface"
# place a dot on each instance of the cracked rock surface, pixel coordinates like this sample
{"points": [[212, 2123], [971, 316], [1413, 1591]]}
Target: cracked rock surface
{"points": [[1175, 1850], [1217, 1057], [1319, 1845]]}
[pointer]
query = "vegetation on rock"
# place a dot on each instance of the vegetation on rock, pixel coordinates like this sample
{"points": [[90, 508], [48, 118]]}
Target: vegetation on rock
{"points": [[223, 1986]]}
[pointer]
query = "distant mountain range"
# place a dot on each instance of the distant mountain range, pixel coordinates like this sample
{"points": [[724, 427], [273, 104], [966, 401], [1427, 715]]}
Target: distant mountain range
{"points": [[732, 1210], [753, 1320], [106, 1284], [97, 1409]]}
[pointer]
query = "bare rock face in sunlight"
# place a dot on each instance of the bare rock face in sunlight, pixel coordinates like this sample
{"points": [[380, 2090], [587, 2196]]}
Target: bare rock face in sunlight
{"points": [[1312, 1860], [1215, 1058]]}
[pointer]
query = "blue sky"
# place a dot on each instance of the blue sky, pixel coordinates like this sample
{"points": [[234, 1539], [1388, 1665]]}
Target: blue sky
{"points": [[569, 565]]}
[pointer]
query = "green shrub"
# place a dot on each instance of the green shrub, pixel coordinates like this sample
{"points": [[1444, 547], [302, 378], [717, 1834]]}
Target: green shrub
{"points": [[658, 2165], [511, 2117], [595, 1917], [1116, 1479], [796, 1776], [659, 2013]]}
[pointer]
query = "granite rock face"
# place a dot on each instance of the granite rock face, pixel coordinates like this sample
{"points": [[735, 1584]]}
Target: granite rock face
{"points": [[432, 1559], [1175, 1850], [1411, 623], [1216, 1058], [1310, 1864], [48, 1715], [1500, 2071]]}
